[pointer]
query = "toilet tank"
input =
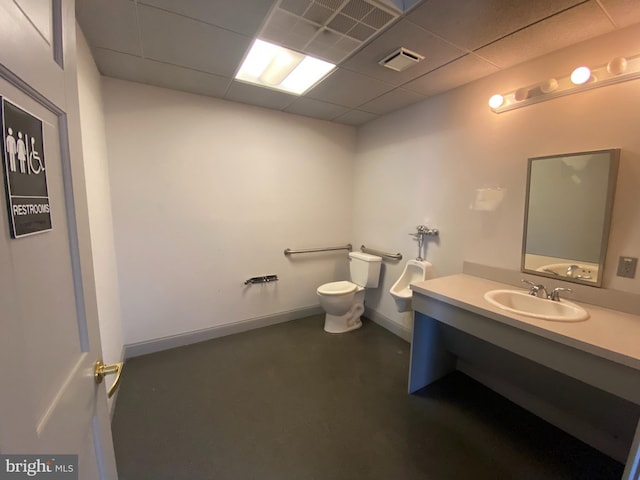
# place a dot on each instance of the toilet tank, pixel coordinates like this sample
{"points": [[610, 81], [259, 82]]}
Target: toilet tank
{"points": [[365, 269]]}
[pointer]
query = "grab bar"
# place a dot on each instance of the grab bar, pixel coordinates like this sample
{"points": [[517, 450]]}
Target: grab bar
{"points": [[262, 279], [393, 256], [288, 251]]}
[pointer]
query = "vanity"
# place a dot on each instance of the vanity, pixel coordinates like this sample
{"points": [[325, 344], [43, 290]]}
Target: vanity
{"points": [[576, 365], [456, 328]]}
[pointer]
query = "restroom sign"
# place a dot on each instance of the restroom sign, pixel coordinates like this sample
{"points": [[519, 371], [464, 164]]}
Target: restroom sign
{"points": [[25, 175]]}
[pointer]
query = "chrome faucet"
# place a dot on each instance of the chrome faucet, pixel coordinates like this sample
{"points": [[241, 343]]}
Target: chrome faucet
{"points": [[571, 269], [555, 295], [537, 289], [540, 291]]}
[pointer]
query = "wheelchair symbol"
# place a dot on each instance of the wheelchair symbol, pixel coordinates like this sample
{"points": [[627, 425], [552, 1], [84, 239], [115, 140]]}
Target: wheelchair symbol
{"points": [[33, 155]]}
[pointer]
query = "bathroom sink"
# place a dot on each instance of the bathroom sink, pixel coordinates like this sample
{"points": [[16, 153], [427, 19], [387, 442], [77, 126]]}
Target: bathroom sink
{"points": [[522, 303], [583, 272]]}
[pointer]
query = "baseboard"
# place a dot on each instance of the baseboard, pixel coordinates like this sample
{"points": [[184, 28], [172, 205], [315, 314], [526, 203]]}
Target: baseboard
{"points": [[182, 339], [574, 426], [388, 324]]}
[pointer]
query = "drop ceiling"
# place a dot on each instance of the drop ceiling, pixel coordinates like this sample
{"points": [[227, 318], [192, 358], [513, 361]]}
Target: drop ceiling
{"points": [[198, 45]]}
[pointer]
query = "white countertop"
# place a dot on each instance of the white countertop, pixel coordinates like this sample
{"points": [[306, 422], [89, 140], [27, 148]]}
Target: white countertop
{"points": [[606, 333]]}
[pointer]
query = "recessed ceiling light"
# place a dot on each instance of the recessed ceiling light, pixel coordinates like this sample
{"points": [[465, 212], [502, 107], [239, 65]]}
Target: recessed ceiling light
{"points": [[276, 67]]}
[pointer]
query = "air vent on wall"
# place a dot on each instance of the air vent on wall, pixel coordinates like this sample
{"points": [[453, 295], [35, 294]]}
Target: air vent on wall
{"points": [[401, 59]]}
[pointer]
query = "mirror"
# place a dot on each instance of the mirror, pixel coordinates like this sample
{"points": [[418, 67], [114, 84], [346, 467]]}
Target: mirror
{"points": [[567, 215]]}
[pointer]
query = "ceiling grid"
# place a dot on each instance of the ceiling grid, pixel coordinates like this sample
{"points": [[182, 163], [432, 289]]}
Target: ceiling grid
{"points": [[196, 45], [328, 29]]}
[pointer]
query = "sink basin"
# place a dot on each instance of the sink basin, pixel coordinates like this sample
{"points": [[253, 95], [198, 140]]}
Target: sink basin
{"points": [[522, 303], [583, 272]]}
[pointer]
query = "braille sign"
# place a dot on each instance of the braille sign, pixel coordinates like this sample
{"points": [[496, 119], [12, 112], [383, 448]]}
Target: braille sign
{"points": [[24, 171]]}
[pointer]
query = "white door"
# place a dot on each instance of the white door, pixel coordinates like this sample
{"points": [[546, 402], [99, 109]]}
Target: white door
{"points": [[49, 338]]}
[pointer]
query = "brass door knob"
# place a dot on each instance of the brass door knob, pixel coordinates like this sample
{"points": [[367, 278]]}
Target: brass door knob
{"points": [[101, 370]]}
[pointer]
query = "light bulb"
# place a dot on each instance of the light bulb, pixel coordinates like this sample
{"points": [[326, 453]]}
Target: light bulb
{"points": [[580, 75], [521, 94], [617, 65], [496, 101], [549, 85]]}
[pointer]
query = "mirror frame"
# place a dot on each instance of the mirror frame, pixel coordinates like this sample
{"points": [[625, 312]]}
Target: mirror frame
{"points": [[614, 155]]}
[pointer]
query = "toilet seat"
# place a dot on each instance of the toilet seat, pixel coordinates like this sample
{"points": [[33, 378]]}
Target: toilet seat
{"points": [[337, 288]]}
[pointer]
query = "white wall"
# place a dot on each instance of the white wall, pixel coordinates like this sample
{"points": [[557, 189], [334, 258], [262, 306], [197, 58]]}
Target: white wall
{"points": [[424, 163], [99, 202], [209, 193]]}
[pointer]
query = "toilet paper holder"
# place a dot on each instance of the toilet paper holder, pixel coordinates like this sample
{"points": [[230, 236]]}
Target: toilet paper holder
{"points": [[262, 279]]}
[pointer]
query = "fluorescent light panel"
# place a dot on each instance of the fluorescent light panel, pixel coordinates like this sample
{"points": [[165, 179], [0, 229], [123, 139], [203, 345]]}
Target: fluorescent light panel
{"points": [[276, 67]]}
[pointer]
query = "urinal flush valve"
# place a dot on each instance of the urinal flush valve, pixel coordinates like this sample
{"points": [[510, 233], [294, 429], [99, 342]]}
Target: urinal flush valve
{"points": [[423, 231]]}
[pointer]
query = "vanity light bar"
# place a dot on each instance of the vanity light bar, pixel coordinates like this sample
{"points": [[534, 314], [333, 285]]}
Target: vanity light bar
{"points": [[618, 70]]}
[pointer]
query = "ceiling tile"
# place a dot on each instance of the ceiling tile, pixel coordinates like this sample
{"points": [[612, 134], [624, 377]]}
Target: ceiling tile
{"points": [[136, 69], [361, 32], [572, 26], [318, 13], [119, 65], [331, 47], [472, 25], [197, 45], [242, 16], [623, 12], [97, 19], [329, 29], [348, 89], [406, 4], [297, 7], [342, 24], [357, 9], [463, 70], [377, 18], [315, 108], [408, 35], [393, 100], [288, 30], [355, 118], [179, 78], [263, 97], [178, 40]]}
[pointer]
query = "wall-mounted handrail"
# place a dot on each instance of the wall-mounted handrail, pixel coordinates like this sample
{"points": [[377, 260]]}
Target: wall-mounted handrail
{"points": [[393, 256], [288, 251]]}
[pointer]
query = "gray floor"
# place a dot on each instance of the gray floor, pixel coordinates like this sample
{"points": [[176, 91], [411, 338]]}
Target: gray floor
{"points": [[290, 402]]}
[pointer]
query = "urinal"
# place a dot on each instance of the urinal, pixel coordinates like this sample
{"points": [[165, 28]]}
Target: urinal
{"points": [[414, 271]]}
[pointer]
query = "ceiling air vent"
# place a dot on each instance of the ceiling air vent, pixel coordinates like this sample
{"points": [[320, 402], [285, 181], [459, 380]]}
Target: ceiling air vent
{"points": [[401, 59]]}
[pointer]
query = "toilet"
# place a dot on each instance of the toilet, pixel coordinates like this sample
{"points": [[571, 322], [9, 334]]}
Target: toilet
{"points": [[344, 301], [414, 271]]}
